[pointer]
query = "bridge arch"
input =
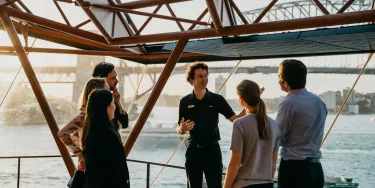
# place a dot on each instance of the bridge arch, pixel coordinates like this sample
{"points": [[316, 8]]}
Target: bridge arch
{"points": [[304, 9]]}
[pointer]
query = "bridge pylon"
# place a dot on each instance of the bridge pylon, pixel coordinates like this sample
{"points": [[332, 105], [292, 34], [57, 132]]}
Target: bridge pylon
{"points": [[85, 66]]}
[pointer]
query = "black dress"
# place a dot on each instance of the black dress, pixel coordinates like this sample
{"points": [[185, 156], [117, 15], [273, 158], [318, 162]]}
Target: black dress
{"points": [[105, 159]]}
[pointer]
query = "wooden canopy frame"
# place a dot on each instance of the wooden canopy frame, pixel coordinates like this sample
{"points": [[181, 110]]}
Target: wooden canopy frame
{"points": [[17, 19]]}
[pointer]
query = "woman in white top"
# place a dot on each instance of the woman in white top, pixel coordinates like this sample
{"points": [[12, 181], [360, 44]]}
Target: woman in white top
{"points": [[254, 142]]}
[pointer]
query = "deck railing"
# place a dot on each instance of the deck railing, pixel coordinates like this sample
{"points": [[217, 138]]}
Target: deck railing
{"points": [[148, 165]]}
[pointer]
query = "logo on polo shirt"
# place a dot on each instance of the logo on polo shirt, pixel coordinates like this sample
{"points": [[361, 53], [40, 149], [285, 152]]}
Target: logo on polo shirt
{"points": [[191, 106]]}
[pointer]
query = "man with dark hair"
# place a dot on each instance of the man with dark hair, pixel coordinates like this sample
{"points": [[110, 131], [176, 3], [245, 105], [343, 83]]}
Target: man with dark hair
{"points": [[301, 117], [107, 71], [199, 114]]}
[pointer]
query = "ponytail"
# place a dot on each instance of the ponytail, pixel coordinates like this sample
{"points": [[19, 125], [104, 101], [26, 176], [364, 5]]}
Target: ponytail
{"points": [[249, 91], [262, 120]]}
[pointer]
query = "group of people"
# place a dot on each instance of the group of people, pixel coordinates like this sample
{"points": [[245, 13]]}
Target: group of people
{"points": [[298, 128], [93, 135], [256, 138]]}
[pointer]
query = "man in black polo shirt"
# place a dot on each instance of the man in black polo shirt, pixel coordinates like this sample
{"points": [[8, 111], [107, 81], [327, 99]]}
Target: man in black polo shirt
{"points": [[199, 114]]}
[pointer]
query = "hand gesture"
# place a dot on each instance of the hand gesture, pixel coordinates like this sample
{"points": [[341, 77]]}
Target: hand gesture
{"points": [[116, 95], [261, 90], [186, 125]]}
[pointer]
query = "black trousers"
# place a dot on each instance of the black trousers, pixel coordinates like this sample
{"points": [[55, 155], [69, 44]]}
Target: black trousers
{"points": [[265, 185], [300, 173], [205, 160]]}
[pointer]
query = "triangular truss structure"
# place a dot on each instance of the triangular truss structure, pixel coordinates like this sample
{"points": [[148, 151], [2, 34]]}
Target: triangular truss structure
{"points": [[220, 32]]}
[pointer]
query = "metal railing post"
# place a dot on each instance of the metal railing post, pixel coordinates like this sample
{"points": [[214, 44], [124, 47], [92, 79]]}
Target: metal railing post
{"points": [[148, 176], [19, 172], [148, 166]]}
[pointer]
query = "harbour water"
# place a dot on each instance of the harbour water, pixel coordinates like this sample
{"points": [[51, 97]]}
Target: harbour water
{"points": [[349, 151]]}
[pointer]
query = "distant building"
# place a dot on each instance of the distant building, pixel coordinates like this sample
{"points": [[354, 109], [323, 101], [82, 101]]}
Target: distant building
{"points": [[345, 93], [339, 99], [219, 81], [353, 108], [372, 102], [360, 97], [330, 98], [351, 99]]}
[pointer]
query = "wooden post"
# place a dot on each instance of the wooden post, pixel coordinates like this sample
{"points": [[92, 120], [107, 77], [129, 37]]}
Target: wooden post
{"points": [[171, 63], [9, 27]]}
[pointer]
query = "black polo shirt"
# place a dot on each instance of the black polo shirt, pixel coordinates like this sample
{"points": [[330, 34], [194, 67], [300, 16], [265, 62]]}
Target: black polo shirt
{"points": [[205, 114]]}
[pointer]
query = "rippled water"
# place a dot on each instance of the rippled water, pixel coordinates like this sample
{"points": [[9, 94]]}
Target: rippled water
{"points": [[348, 152]]}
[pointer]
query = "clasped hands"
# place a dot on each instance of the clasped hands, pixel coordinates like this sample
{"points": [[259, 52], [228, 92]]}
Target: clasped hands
{"points": [[186, 125]]}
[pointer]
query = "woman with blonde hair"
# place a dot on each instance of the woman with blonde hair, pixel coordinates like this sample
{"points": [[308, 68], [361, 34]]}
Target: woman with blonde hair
{"points": [[71, 133], [254, 142]]}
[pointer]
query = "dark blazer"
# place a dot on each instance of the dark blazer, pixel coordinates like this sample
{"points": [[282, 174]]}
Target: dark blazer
{"points": [[123, 118]]}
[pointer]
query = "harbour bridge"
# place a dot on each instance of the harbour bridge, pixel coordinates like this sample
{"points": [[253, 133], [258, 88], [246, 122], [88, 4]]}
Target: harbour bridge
{"points": [[280, 11], [65, 75], [80, 74], [304, 9]]}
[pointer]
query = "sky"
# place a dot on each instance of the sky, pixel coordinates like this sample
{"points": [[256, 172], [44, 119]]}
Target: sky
{"points": [[317, 83]]}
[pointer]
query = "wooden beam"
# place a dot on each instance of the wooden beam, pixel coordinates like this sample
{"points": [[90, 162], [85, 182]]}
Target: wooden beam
{"points": [[230, 12], [113, 24], [200, 17], [115, 9], [74, 39], [321, 7], [239, 13], [264, 12], [284, 25], [373, 7], [9, 2], [94, 20], [174, 15], [69, 1], [8, 54], [10, 50], [66, 39], [126, 25], [148, 20], [346, 6], [147, 3], [12, 4], [214, 15], [25, 33], [83, 23], [54, 25], [122, 19], [43, 103], [62, 12], [166, 73], [66, 1]]}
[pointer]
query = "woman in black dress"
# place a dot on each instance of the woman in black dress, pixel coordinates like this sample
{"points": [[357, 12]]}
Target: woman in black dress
{"points": [[102, 147]]}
